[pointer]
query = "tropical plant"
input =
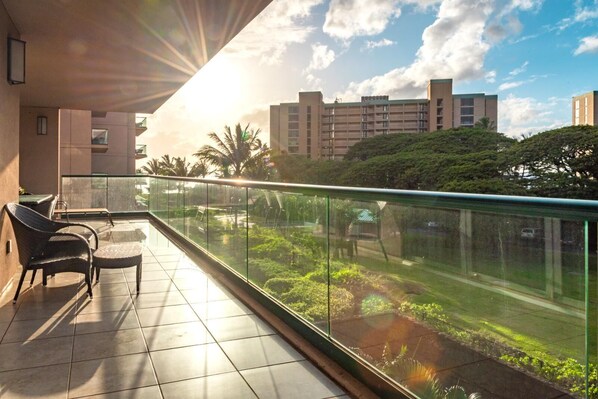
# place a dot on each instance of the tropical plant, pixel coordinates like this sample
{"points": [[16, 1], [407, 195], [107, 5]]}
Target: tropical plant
{"points": [[485, 123], [236, 154], [152, 167], [180, 167]]}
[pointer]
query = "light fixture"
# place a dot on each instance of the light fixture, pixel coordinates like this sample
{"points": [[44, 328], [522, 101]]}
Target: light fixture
{"points": [[42, 125], [16, 61]]}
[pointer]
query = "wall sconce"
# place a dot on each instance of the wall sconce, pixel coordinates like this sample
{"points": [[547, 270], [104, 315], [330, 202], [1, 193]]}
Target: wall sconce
{"points": [[16, 61], [42, 125]]}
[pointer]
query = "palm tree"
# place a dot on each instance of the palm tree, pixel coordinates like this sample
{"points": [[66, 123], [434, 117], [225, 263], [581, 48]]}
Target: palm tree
{"points": [[485, 123], [167, 164], [152, 167], [180, 167], [236, 154]]}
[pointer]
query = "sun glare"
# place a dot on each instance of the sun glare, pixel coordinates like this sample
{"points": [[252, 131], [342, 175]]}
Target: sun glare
{"points": [[215, 90]]}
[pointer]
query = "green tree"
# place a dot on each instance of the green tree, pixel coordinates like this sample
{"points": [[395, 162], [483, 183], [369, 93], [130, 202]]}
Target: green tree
{"points": [[485, 123], [180, 167], [236, 154], [152, 167], [558, 163]]}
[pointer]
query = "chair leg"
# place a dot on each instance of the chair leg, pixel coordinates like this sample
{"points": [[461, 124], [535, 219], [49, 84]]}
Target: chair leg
{"points": [[88, 282], [33, 276], [19, 286], [97, 274], [139, 270], [44, 278]]}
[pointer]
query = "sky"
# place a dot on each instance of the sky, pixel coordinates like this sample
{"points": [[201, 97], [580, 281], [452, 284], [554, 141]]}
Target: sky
{"points": [[534, 54]]}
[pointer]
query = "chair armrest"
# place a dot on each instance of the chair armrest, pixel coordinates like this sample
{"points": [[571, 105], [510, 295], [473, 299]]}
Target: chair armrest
{"points": [[78, 237], [86, 226]]}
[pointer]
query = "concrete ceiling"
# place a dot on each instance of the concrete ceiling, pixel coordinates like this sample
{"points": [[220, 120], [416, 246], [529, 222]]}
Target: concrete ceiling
{"points": [[120, 55]]}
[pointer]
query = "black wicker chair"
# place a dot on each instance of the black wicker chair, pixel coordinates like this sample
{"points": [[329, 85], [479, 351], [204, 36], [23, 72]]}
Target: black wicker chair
{"points": [[44, 244]]}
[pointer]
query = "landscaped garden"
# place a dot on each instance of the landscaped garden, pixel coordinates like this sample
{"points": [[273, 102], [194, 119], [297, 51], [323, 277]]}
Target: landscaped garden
{"points": [[437, 299]]}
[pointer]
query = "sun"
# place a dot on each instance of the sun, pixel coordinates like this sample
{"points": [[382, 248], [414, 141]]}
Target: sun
{"points": [[215, 89]]}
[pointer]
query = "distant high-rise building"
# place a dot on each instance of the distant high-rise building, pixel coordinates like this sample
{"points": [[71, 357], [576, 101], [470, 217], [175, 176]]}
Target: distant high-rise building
{"points": [[585, 109], [327, 130]]}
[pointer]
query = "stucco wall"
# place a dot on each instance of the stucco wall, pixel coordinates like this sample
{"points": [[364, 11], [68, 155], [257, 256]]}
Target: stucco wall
{"points": [[38, 165], [9, 152]]}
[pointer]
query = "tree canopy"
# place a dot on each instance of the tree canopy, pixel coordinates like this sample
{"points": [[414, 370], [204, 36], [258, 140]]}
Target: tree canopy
{"points": [[557, 163]]}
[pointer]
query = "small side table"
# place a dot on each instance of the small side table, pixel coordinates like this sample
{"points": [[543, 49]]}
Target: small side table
{"points": [[118, 256]]}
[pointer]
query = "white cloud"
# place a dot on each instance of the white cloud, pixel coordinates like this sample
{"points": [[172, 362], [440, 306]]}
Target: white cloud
{"points": [[588, 44], [268, 36], [520, 69], [456, 35], [525, 115], [510, 85], [490, 76], [321, 58], [583, 14], [370, 44], [346, 19]]}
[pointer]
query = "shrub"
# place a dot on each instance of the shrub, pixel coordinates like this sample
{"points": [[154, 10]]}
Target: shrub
{"points": [[262, 270]]}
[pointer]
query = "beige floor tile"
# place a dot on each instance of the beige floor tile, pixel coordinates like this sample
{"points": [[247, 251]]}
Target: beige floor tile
{"points": [[190, 362], [220, 309], [146, 275], [107, 344], [259, 352], [238, 327], [112, 374], [44, 310], [3, 328], [166, 315], [158, 299], [152, 392], [221, 386], [152, 286], [106, 321], [27, 330], [42, 352], [176, 335], [48, 382], [106, 304], [107, 289]]}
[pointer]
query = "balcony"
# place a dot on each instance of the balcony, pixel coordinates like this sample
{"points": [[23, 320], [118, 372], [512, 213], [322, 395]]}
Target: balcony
{"points": [[408, 289], [140, 125], [99, 140], [140, 151]]}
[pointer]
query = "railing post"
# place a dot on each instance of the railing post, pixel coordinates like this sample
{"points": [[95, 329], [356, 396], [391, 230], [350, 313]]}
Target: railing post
{"points": [[328, 328], [247, 232], [465, 238]]}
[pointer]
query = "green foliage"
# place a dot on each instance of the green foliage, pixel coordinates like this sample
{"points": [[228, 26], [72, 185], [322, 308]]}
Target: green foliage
{"points": [[263, 270], [569, 372], [175, 166], [381, 145], [375, 304], [310, 298], [237, 154], [430, 312]]}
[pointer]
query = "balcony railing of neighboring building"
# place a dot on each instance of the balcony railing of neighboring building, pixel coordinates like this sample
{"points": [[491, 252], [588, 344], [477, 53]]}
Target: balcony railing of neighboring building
{"points": [[427, 291], [140, 151], [99, 140], [140, 125]]}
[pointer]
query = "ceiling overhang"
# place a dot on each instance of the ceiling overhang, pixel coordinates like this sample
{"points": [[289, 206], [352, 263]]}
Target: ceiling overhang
{"points": [[120, 55]]}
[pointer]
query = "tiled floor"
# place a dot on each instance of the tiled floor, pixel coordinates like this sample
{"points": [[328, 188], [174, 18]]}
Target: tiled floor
{"points": [[183, 336]]}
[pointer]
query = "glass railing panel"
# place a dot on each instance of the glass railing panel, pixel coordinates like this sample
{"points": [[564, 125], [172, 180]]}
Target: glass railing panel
{"points": [[288, 251], [176, 205], [127, 194], [226, 218], [85, 192], [159, 198], [441, 298], [196, 217]]}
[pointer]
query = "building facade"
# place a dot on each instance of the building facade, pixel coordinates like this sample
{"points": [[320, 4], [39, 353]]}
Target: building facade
{"points": [[75, 142], [584, 109], [327, 130]]}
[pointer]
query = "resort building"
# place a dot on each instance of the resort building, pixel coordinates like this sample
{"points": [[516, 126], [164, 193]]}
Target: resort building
{"points": [[584, 109], [327, 130], [56, 142]]}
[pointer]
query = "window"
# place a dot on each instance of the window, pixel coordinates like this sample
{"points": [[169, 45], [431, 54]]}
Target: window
{"points": [[384, 116], [293, 133], [99, 136], [439, 102], [293, 142], [293, 110], [385, 124], [293, 118], [467, 120], [439, 120], [364, 118], [385, 108], [467, 102], [293, 150], [364, 126], [293, 125], [309, 109]]}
